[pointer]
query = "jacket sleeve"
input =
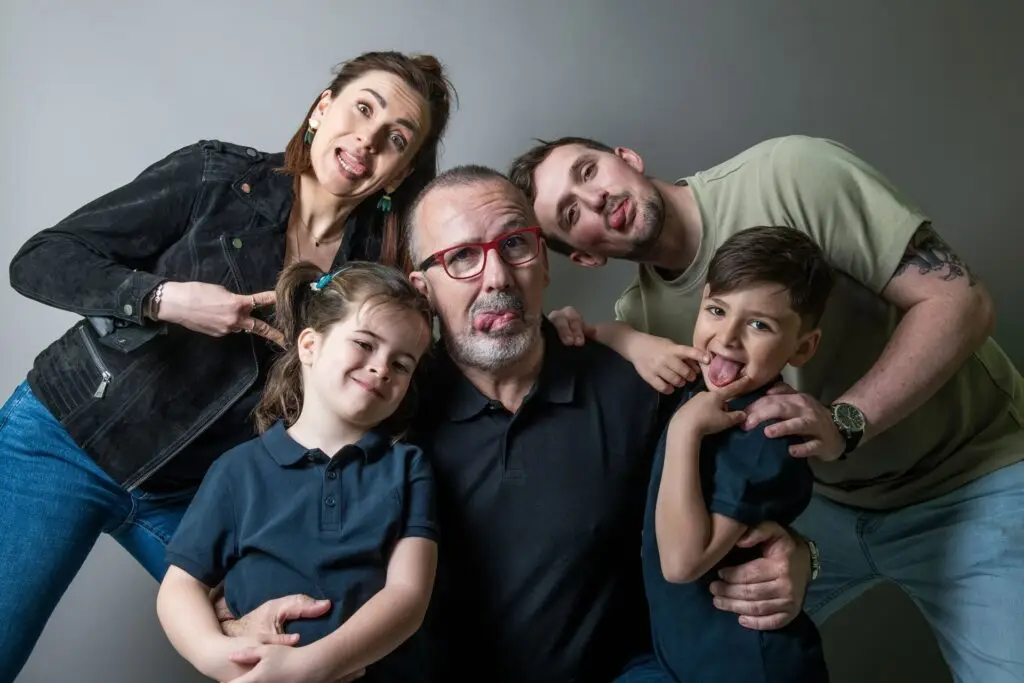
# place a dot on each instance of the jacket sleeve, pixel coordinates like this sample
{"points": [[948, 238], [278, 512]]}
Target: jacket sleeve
{"points": [[95, 262]]}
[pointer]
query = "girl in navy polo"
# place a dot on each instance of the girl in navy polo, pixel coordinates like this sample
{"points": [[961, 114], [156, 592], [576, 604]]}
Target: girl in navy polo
{"points": [[326, 502]]}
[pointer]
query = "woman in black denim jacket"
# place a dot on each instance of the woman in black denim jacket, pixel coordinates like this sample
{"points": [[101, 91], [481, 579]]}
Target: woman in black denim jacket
{"points": [[120, 418]]}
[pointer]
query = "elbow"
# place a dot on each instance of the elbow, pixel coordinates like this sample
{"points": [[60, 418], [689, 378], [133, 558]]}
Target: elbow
{"points": [[677, 569], [984, 310], [27, 267]]}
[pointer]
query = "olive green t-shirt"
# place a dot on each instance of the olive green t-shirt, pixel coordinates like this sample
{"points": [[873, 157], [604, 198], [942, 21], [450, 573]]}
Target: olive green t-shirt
{"points": [[969, 428]]}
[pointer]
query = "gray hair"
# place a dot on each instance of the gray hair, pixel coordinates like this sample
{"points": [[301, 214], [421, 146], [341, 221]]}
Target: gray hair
{"points": [[465, 175]]}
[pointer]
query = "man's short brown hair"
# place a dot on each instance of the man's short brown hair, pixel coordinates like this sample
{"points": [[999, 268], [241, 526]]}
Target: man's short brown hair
{"points": [[525, 166], [775, 255]]}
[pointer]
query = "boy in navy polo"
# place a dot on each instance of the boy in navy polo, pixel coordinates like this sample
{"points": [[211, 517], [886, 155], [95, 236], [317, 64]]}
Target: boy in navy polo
{"points": [[326, 502], [765, 292]]}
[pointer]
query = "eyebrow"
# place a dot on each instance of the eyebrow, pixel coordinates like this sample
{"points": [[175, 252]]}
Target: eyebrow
{"points": [[384, 105], [575, 174], [380, 338]]}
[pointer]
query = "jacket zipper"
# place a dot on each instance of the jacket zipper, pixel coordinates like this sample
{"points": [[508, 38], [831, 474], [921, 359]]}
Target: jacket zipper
{"points": [[98, 362]]}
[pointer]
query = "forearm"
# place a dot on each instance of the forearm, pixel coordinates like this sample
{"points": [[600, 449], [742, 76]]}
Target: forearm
{"points": [[682, 520], [934, 338], [96, 261], [615, 335], [59, 271], [191, 625], [382, 624]]}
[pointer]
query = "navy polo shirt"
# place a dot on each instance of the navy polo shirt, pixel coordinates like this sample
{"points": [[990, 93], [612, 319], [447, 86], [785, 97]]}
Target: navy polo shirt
{"points": [[539, 575], [751, 478], [273, 518]]}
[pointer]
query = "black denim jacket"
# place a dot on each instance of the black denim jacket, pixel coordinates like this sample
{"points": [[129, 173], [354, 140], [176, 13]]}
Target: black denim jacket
{"points": [[131, 392]]}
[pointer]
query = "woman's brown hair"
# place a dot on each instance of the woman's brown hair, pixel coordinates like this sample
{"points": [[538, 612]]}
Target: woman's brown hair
{"points": [[352, 288], [426, 76]]}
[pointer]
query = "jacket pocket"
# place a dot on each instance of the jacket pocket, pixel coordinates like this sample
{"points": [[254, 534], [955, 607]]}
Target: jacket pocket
{"points": [[132, 337]]}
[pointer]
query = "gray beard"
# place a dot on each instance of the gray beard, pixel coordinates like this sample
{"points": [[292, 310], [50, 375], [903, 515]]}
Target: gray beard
{"points": [[491, 352], [500, 349]]}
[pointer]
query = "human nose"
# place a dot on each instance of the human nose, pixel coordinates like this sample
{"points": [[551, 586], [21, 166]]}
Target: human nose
{"points": [[379, 367], [593, 199], [729, 333], [497, 273], [368, 136]]}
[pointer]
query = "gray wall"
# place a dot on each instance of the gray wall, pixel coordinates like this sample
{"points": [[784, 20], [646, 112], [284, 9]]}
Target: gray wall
{"points": [[94, 91]]}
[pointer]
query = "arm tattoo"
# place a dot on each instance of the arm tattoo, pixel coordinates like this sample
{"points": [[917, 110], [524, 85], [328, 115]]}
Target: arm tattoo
{"points": [[930, 254]]}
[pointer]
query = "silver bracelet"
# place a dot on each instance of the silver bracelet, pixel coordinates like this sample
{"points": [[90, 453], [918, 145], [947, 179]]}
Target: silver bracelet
{"points": [[154, 301]]}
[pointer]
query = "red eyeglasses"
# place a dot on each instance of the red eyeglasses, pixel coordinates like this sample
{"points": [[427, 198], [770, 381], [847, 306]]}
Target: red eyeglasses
{"points": [[468, 259]]}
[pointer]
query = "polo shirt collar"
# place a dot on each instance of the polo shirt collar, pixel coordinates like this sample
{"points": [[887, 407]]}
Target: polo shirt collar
{"points": [[556, 383], [286, 451]]}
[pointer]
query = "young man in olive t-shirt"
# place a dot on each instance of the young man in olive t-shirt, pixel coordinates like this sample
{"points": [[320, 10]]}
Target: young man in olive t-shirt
{"points": [[910, 412]]}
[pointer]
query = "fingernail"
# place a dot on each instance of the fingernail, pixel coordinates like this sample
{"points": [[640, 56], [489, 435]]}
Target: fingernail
{"points": [[717, 602]]}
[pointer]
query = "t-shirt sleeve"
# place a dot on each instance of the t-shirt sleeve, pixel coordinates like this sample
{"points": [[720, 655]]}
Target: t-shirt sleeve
{"points": [[755, 479], [629, 308], [861, 221], [420, 504], [205, 544]]}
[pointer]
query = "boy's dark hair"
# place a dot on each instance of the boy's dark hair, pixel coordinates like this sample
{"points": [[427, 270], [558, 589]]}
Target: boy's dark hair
{"points": [[775, 255], [357, 285], [525, 165]]}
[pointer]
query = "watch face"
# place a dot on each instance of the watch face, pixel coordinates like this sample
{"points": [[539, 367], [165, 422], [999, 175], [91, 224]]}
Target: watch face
{"points": [[848, 417]]}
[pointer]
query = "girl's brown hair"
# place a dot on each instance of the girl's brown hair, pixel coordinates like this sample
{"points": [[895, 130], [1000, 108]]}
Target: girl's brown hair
{"points": [[425, 75], [352, 288]]}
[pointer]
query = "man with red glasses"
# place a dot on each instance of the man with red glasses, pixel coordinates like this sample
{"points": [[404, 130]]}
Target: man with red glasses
{"points": [[542, 454]]}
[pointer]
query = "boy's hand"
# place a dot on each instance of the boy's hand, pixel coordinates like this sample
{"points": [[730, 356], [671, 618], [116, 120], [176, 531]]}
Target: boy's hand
{"points": [[662, 363], [278, 663], [708, 413], [572, 331]]}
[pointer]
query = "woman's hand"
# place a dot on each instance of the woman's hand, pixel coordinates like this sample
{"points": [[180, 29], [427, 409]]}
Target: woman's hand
{"points": [[214, 311]]}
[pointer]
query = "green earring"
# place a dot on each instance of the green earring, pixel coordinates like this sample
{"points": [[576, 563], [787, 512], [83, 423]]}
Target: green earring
{"points": [[384, 204], [311, 131]]}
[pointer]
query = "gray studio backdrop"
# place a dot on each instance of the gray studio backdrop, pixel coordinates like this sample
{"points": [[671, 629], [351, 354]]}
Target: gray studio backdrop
{"points": [[94, 91]]}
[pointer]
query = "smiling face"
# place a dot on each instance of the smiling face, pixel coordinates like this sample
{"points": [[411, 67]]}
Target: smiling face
{"points": [[367, 135], [598, 202], [752, 331], [359, 369], [492, 319]]}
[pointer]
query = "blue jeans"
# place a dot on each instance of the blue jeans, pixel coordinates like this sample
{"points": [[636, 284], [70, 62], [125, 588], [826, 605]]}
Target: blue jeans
{"points": [[54, 503], [959, 557]]}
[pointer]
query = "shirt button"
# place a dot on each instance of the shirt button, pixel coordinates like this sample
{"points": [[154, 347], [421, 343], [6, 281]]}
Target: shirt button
{"points": [[329, 500], [246, 188], [127, 309], [251, 152], [331, 474], [311, 458], [236, 243]]}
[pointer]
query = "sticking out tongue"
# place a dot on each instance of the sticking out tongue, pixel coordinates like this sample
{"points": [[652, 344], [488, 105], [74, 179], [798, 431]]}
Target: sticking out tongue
{"points": [[722, 371], [492, 320]]}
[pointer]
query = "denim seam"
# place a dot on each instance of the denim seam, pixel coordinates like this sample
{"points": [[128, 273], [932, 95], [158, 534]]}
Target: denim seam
{"points": [[152, 531], [832, 595], [14, 406], [128, 520], [861, 523]]}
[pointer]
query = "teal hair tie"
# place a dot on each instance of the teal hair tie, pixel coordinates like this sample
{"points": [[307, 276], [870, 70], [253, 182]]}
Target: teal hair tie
{"points": [[325, 279]]}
